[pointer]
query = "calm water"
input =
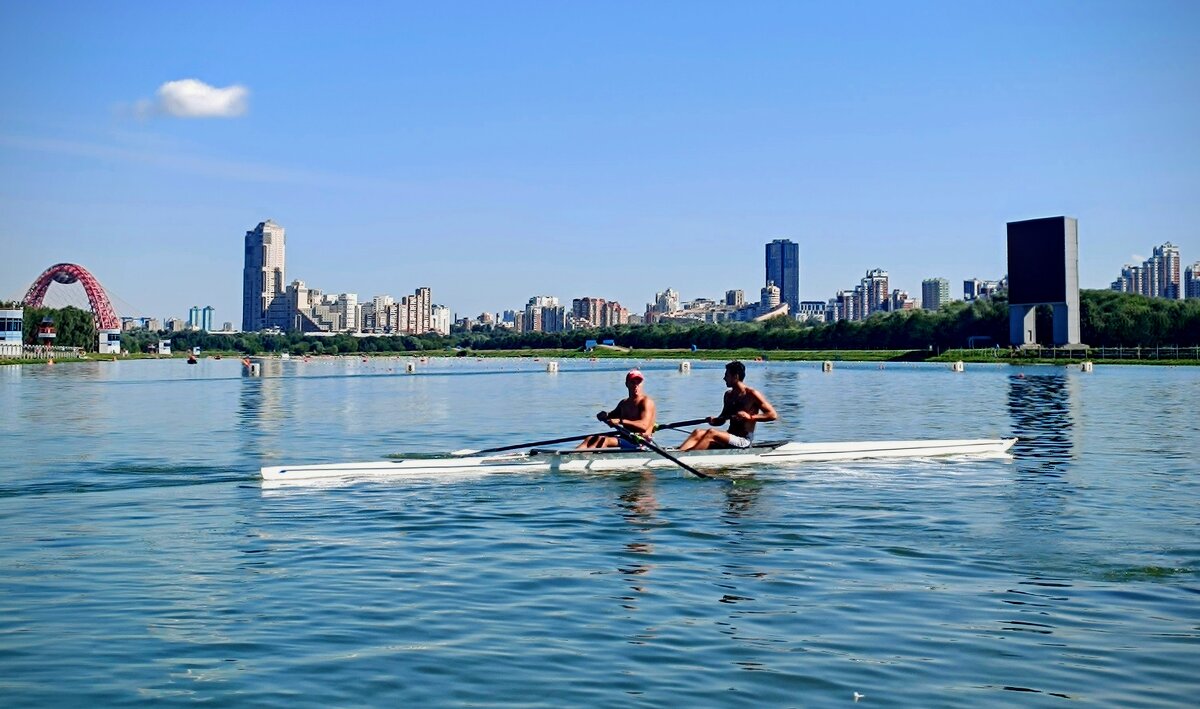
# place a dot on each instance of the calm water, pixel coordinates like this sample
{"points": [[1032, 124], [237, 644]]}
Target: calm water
{"points": [[143, 561]]}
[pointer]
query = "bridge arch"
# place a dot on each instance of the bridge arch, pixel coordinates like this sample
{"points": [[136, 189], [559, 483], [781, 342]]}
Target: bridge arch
{"points": [[103, 315]]}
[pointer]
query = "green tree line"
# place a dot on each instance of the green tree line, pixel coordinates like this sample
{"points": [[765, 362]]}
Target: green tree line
{"points": [[1107, 319], [73, 327]]}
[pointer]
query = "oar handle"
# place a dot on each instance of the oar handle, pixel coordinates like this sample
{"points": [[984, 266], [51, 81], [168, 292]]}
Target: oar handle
{"points": [[643, 441], [680, 424]]}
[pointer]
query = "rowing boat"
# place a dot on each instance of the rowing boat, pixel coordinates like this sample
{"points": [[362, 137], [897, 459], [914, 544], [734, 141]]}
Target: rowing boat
{"points": [[538, 460]]}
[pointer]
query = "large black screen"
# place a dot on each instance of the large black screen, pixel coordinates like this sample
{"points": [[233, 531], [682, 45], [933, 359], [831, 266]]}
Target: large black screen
{"points": [[1037, 271]]}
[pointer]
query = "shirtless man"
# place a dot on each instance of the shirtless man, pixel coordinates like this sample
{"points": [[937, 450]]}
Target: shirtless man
{"points": [[635, 412], [744, 408]]}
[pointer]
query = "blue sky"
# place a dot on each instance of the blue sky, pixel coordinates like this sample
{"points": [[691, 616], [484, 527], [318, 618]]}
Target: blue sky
{"points": [[495, 151]]}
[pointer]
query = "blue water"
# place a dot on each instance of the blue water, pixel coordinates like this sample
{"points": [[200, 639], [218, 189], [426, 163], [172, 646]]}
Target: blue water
{"points": [[144, 562]]}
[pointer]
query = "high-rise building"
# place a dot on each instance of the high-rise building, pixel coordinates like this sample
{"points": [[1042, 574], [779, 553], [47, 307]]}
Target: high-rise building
{"points": [[666, 302], [735, 298], [848, 304], [194, 318], [440, 316], [875, 292], [935, 292], [613, 314], [1130, 281], [1164, 272], [1191, 281], [783, 269], [206, 318], [770, 298], [588, 310], [263, 290], [544, 314], [1157, 277]]}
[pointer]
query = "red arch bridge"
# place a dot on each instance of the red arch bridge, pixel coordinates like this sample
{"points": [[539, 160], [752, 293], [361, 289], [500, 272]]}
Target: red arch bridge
{"points": [[103, 315]]}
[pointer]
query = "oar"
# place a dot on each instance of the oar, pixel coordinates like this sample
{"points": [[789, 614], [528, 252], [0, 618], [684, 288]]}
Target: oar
{"points": [[567, 439], [642, 440]]}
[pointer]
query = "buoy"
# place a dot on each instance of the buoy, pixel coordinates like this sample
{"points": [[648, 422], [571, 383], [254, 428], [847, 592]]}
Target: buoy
{"points": [[552, 367], [410, 368], [1086, 366], [827, 366], [685, 367], [958, 366], [255, 369]]}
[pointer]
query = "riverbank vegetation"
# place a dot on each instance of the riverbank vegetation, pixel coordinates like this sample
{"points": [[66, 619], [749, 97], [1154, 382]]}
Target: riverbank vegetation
{"points": [[1117, 326]]}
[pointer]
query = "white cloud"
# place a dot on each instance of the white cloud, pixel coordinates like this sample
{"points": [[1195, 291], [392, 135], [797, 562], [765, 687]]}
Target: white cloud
{"points": [[192, 98]]}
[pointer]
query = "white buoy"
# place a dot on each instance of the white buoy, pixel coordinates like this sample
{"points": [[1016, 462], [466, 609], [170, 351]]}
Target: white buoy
{"points": [[958, 366], [410, 368], [827, 366], [685, 367], [552, 367], [1086, 366]]}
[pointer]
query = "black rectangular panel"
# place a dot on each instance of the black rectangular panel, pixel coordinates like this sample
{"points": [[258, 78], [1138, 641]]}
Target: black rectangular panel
{"points": [[1037, 261]]}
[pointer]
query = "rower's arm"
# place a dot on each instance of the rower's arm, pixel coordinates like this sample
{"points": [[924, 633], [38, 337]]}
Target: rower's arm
{"points": [[766, 411]]}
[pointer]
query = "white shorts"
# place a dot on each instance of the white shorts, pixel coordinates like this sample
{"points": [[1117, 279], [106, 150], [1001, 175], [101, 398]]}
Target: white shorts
{"points": [[739, 442]]}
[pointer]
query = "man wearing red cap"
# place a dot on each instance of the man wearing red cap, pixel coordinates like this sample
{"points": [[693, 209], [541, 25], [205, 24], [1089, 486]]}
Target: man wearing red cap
{"points": [[635, 412]]}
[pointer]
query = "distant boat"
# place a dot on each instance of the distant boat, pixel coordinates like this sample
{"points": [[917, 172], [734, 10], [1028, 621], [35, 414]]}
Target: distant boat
{"points": [[191, 359]]}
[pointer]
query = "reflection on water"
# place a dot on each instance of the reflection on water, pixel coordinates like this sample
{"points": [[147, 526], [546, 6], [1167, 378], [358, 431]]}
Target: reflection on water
{"points": [[640, 505], [1042, 408], [740, 499]]}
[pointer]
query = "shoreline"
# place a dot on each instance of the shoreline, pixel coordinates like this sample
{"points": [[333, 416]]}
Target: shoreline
{"points": [[977, 356]]}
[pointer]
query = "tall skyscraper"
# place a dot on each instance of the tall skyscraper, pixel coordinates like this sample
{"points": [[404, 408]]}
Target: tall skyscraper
{"points": [[935, 292], [1157, 277], [263, 290], [875, 292], [783, 269], [1164, 279]]}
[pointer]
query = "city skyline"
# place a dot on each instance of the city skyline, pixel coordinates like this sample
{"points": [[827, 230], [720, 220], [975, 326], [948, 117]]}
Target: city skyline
{"points": [[492, 155]]}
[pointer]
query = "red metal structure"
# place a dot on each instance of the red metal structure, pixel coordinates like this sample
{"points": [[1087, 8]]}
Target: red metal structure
{"points": [[103, 314]]}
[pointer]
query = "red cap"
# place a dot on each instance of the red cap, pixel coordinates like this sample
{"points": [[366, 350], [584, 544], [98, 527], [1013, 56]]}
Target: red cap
{"points": [[635, 374]]}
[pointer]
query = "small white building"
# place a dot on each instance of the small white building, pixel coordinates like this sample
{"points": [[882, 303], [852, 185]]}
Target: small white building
{"points": [[109, 342], [12, 331]]}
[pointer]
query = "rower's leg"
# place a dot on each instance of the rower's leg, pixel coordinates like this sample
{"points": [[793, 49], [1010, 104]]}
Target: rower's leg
{"points": [[719, 439], [597, 441], [692, 440]]}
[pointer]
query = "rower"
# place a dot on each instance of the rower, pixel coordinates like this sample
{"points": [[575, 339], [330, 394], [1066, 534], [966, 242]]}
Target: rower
{"points": [[743, 408], [635, 412]]}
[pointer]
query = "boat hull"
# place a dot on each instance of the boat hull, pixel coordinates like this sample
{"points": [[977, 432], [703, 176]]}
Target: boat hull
{"points": [[553, 460]]}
